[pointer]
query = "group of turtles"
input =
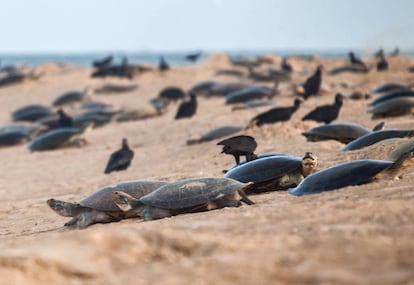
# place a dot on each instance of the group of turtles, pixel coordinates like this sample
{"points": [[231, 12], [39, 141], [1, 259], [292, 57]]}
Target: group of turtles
{"points": [[259, 173], [149, 200]]}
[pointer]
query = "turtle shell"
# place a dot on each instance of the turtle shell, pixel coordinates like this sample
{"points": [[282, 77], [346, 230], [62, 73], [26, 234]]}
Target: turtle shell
{"points": [[216, 134], [374, 137], [342, 132], [52, 139], [393, 95], [388, 87], [265, 169], [345, 174], [102, 200], [31, 113], [12, 137], [249, 93], [69, 97], [191, 192], [395, 107]]}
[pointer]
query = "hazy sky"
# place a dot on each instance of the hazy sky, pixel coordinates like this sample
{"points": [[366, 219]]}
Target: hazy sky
{"points": [[160, 25]]}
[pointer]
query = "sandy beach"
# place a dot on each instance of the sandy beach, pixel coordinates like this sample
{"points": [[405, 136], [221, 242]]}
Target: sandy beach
{"points": [[356, 235]]}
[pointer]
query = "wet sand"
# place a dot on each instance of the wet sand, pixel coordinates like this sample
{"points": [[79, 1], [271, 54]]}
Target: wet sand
{"points": [[355, 235]]}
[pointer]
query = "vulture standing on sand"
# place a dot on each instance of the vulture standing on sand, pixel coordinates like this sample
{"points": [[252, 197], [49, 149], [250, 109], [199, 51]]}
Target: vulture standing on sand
{"points": [[278, 114], [238, 146], [187, 108], [382, 64], [356, 61], [326, 113], [313, 83], [163, 65], [121, 159]]}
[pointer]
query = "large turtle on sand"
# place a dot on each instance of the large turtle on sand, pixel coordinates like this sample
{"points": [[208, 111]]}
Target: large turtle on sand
{"points": [[358, 172], [273, 173], [342, 132], [60, 137], [185, 196], [99, 207]]}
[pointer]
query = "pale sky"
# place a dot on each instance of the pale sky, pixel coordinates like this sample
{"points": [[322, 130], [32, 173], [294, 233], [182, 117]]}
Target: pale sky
{"points": [[211, 25]]}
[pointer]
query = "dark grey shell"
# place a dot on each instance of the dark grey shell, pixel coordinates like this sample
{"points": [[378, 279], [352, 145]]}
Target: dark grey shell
{"points": [[216, 134], [388, 87], [394, 107], [102, 199], [68, 98], [345, 174], [342, 132], [408, 93], [115, 88], [52, 139], [226, 88], [27, 130], [12, 137], [348, 68], [202, 87], [11, 77], [374, 137], [191, 192], [249, 93], [98, 117], [265, 169], [31, 113]]}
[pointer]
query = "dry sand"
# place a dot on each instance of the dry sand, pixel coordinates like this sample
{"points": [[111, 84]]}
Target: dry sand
{"points": [[356, 235]]}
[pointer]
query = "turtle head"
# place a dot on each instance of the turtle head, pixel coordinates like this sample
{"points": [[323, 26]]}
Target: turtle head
{"points": [[65, 209], [309, 163], [126, 202]]}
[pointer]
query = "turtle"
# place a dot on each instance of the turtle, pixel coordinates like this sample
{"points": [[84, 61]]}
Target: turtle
{"points": [[216, 134], [31, 113], [185, 196], [146, 112], [374, 137], [250, 93], [202, 88], [172, 94], [226, 88], [342, 132], [357, 172], [70, 97], [16, 134], [388, 87], [253, 104], [345, 174], [393, 108], [238, 146], [110, 88], [230, 72], [120, 159], [274, 172], [404, 93], [99, 117], [59, 137], [99, 207], [348, 68]]}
